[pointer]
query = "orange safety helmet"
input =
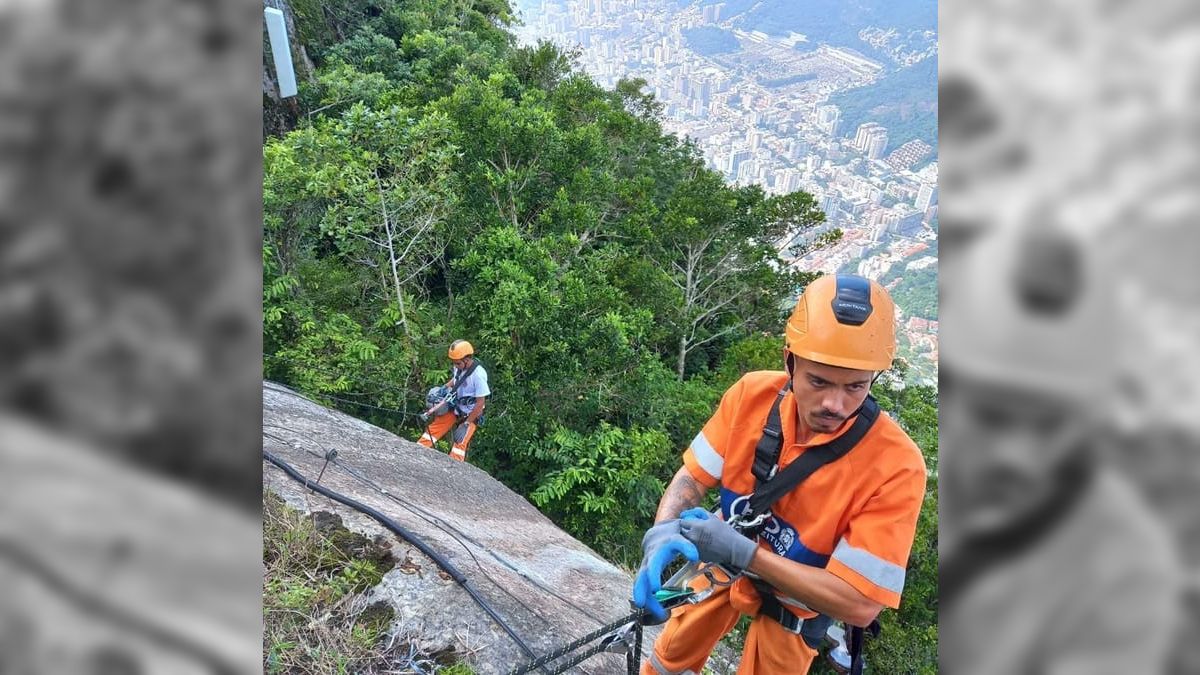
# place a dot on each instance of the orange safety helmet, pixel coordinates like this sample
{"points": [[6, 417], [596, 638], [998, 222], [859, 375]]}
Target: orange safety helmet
{"points": [[844, 320], [460, 349]]}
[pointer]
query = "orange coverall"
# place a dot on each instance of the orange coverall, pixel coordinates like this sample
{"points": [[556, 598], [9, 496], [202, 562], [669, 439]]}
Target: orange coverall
{"points": [[855, 517]]}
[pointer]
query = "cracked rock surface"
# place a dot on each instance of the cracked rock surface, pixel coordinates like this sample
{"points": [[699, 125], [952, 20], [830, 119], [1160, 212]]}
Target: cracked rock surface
{"points": [[509, 551]]}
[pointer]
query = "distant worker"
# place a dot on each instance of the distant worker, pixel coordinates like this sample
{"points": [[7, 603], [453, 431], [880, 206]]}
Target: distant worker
{"points": [[824, 488], [460, 403]]}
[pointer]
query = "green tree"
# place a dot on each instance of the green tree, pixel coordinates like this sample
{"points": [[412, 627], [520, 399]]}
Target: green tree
{"points": [[717, 244]]}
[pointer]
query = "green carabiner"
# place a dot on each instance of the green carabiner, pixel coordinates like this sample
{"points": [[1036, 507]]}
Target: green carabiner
{"points": [[670, 597]]}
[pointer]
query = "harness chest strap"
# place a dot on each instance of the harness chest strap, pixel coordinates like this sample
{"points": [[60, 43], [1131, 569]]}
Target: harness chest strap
{"points": [[461, 377], [771, 483]]}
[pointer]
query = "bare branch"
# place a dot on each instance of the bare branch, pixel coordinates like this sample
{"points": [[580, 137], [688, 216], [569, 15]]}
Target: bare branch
{"points": [[714, 309], [725, 331], [365, 238]]}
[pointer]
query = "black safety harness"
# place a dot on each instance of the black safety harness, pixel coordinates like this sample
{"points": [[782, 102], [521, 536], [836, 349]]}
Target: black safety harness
{"points": [[771, 484], [458, 379]]}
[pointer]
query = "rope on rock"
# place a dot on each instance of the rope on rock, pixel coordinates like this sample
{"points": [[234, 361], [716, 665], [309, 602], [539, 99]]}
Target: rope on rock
{"points": [[614, 636]]}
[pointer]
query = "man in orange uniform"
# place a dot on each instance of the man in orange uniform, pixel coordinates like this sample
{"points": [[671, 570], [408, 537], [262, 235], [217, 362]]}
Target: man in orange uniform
{"points": [[469, 385], [838, 543]]}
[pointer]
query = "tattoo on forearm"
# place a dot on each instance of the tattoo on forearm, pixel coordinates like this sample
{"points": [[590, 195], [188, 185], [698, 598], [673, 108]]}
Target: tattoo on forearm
{"points": [[683, 493]]}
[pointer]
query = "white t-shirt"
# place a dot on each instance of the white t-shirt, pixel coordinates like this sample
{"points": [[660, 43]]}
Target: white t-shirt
{"points": [[474, 386]]}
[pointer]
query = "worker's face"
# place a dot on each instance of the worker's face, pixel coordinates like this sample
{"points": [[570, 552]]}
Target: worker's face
{"points": [[826, 396], [1000, 449], [460, 363]]}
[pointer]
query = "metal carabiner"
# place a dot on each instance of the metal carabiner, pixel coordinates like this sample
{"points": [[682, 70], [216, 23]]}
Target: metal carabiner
{"points": [[739, 521]]}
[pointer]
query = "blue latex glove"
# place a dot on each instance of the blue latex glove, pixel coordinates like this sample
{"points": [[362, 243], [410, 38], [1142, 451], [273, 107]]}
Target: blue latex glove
{"points": [[716, 540], [660, 545]]}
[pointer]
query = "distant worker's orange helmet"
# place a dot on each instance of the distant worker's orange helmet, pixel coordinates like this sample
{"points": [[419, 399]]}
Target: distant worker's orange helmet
{"points": [[844, 320], [460, 349]]}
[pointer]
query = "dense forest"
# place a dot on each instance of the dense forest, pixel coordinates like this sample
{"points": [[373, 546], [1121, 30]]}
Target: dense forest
{"points": [[917, 291], [710, 40], [904, 101], [442, 182]]}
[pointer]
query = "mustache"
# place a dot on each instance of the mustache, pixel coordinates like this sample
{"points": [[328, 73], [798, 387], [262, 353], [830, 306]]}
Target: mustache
{"points": [[829, 415]]}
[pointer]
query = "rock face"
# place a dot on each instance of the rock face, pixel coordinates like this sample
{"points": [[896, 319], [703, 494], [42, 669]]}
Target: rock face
{"points": [[507, 549]]}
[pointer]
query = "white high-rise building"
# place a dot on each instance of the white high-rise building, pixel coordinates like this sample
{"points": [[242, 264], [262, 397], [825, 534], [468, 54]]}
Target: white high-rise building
{"points": [[787, 180], [829, 119], [796, 149], [877, 145], [747, 171], [871, 139], [736, 157], [830, 204], [927, 196]]}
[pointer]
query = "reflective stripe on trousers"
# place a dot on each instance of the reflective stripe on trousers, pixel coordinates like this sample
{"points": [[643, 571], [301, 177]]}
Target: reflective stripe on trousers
{"points": [[462, 440]]}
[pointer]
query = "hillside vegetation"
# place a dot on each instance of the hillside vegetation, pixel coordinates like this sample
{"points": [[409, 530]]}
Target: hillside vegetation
{"points": [[444, 183], [904, 101]]}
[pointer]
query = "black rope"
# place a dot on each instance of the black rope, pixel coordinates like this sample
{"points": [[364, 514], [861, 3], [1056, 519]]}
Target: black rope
{"points": [[600, 632], [394, 411], [458, 577], [633, 660], [575, 660], [447, 528], [453, 532], [390, 524], [633, 657]]}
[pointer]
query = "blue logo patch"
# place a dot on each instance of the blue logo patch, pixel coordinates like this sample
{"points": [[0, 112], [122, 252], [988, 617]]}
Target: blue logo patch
{"points": [[778, 533]]}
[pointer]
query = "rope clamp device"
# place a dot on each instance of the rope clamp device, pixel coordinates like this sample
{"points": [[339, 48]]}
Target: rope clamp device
{"points": [[718, 576], [621, 640]]}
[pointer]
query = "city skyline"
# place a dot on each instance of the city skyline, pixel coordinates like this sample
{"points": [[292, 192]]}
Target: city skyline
{"points": [[757, 107]]}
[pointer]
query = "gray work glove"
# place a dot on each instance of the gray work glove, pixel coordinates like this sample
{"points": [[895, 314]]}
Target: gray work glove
{"points": [[716, 540], [660, 545]]}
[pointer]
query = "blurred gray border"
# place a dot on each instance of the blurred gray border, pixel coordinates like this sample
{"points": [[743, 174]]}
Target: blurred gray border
{"points": [[130, 336], [1091, 112]]}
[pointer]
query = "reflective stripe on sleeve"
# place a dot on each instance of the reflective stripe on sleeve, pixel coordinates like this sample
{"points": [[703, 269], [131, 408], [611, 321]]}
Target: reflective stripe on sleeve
{"points": [[706, 456], [878, 571]]}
